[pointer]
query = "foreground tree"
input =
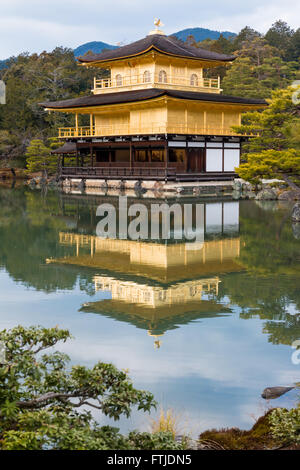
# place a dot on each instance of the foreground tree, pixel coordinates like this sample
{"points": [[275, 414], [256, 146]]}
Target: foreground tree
{"points": [[285, 425], [41, 399]]}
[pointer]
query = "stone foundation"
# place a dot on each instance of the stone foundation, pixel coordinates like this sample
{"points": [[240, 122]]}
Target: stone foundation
{"points": [[237, 189]]}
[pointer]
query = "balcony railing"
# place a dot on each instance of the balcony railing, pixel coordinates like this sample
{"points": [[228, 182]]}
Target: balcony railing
{"points": [[162, 128], [118, 172], [149, 80]]}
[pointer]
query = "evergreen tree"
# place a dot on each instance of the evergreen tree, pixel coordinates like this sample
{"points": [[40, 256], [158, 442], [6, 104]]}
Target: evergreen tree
{"points": [[274, 152], [39, 158], [280, 164], [293, 52], [258, 70], [279, 36], [246, 34]]}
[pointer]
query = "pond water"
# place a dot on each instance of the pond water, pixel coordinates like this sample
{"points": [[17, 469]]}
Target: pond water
{"points": [[205, 327]]}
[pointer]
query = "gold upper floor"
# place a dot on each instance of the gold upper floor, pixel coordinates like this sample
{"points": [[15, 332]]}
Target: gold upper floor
{"points": [[156, 71], [153, 61]]}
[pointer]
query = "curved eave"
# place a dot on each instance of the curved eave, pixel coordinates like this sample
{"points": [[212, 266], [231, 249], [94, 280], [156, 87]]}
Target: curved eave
{"points": [[88, 108], [149, 49]]}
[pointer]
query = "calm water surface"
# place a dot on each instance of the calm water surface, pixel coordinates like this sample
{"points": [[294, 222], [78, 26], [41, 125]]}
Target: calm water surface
{"points": [[206, 328]]}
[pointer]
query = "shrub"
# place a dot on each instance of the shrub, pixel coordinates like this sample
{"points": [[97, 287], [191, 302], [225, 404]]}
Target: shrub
{"points": [[285, 425]]}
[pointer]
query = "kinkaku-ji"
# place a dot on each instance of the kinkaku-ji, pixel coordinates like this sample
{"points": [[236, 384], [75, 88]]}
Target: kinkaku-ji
{"points": [[157, 116]]}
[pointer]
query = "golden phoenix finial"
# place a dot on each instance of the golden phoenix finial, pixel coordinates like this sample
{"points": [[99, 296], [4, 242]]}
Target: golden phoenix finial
{"points": [[158, 23]]}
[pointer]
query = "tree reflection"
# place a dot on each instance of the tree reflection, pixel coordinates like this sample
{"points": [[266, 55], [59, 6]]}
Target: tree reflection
{"points": [[264, 284]]}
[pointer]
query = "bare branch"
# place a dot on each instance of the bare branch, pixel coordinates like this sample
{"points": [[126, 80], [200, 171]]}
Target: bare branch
{"points": [[41, 400]]}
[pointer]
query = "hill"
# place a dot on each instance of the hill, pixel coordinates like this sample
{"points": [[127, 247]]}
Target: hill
{"points": [[201, 33], [95, 46], [2, 64]]}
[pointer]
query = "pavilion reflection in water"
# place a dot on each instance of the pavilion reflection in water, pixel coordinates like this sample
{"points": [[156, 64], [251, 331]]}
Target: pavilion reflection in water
{"points": [[160, 286]]}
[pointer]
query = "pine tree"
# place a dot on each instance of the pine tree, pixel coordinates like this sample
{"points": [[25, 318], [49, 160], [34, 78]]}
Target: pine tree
{"points": [[39, 158], [271, 164], [274, 152], [279, 36], [258, 70]]}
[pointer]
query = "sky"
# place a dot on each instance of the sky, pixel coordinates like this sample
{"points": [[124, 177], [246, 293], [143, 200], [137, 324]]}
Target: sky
{"points": [[35, 25]]}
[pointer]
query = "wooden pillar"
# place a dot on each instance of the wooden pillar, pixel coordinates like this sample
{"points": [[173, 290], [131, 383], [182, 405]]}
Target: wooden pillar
{"points": [[58, 170], [130, 153], [166, 154], [166, 159], [133, 156], [76, 124], [91, 125], [186, 158], [92, 155]]}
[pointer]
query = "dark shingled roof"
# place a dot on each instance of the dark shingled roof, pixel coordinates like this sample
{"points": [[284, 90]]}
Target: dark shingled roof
{"points": [[68, 147], [164, 44], [141, 95]]}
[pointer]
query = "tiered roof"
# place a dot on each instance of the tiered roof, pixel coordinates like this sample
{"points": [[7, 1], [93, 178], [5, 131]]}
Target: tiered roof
{"points": [[148, 94], [168, 45]]}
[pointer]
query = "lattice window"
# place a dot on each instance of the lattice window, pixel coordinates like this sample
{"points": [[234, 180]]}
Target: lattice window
{"points": [[162, 76], [194, 79], [119, 80], [146, 76]]}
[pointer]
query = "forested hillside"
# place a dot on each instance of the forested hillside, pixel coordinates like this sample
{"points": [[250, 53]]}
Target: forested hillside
{"points": [[2, 64], [200, 34]]}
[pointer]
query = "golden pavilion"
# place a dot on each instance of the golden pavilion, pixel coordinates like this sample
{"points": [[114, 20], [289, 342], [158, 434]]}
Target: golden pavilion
{"points": [[156, 116]]}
